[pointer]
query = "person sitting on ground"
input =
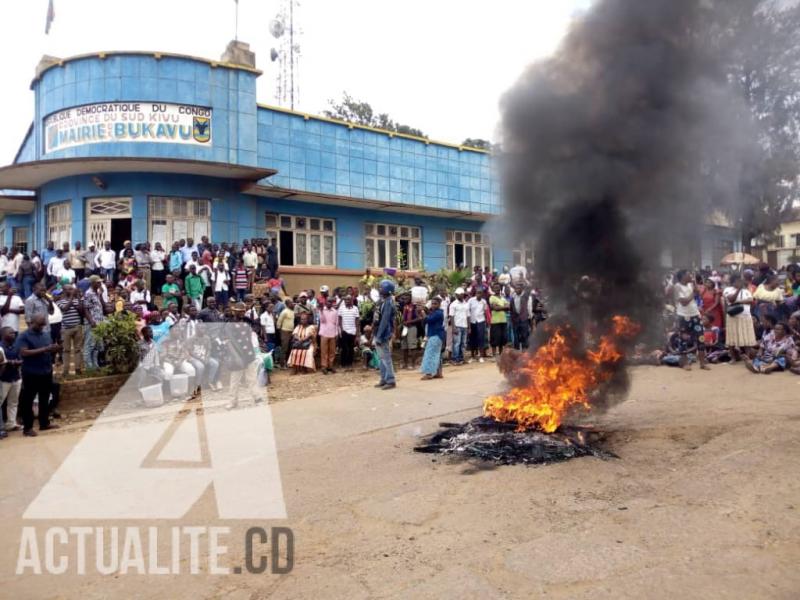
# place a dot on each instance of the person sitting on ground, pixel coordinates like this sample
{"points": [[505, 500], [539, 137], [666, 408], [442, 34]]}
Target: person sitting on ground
{"points": [[303, 347], [715, 350], [367, 348], [776, 352], [681, 350]]}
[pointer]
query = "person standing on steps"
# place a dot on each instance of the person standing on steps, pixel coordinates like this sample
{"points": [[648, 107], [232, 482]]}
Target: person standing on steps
{"points": [[385, 318]]}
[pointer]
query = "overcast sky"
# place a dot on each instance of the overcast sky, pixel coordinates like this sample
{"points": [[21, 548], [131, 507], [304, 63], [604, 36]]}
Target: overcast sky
{"points": [[438, 65]]}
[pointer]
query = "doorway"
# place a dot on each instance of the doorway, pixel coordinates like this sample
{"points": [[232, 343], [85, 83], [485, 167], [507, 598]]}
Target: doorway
{"points": [[121, 230], [108, 220]]}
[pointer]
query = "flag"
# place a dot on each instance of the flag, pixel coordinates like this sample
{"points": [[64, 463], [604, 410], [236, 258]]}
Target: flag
{"points": [[51, 14]]}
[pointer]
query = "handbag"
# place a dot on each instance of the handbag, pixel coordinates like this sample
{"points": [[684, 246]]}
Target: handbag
{"points": [[736, 309], [301, 344]]}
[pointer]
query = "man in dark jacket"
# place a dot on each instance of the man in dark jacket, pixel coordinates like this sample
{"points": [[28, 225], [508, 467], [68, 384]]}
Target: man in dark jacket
{"points": [[383, 335]]}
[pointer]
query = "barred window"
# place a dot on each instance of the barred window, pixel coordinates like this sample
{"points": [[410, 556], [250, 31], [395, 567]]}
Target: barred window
{"points": [[468, 249], [59, 223], [173, 219], [395, 246], [303, 241]]}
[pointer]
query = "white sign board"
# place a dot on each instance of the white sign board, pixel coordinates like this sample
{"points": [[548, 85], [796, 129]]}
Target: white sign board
{"points": [[111, 122]]}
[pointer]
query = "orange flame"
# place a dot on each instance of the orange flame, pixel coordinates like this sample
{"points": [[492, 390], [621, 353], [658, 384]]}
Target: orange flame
{"points": [[558, 380]]}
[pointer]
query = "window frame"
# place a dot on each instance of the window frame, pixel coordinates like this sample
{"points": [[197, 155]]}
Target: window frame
{"points": [[307, 226], [61, 225], [467, 239], [385, 234], [177, 209]]}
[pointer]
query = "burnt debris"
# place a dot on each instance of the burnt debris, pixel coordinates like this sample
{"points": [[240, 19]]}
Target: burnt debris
{"points": [[489, 440]]}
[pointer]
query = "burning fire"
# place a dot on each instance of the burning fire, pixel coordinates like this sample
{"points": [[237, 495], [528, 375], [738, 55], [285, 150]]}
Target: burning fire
{"points": [[558, 380]]}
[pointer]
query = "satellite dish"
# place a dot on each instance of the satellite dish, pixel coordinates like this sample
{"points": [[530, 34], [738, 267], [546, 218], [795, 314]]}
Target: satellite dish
{"points": [[273, 54], [276, 28]]}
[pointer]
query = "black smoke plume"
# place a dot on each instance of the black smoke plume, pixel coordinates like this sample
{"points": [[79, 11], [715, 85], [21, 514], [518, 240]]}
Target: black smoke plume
{"points": [[616, 149]]}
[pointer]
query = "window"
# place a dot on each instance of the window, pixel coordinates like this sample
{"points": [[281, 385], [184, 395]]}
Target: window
{"points": [[59, 223], [303, 241], [395, 246], [780, 241], [797, 240], [468, 249], [173, 219], [522, 255], [20, 239]]}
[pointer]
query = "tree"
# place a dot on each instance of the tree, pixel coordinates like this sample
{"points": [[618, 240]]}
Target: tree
{"points": [[478, 143], [361, 113], [760, 40]]}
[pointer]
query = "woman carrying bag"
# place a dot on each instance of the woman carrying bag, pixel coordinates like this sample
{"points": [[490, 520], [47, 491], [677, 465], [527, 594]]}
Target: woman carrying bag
{"points": [[739, 330], [302, 346]]}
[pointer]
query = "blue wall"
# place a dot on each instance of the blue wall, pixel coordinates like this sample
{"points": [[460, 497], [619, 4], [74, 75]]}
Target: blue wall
{"points": [[233, 214], [316, 155], [236, 216], [8, 224], [230, 92]]}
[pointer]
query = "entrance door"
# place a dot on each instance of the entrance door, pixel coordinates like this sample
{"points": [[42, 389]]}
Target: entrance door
{"points": [[120, 233], [108, 220]]}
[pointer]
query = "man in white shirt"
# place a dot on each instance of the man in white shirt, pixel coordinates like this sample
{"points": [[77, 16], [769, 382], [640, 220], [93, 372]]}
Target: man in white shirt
{"points": [[11, 307], [106, 261], [55, 266], [349, 317], [477, 324], [459, 321], [3, 261]]}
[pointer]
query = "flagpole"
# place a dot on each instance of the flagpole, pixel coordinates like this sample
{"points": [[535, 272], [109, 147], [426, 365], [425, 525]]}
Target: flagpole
{"points": [[236, 33]]}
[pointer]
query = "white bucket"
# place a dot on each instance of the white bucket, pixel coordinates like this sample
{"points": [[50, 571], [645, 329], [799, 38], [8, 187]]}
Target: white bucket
{"points": [[152, 395], [179, 385]]}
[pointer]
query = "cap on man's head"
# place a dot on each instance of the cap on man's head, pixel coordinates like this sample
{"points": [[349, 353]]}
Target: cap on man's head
{"points": [[459, 291], [323, 289], [95, 278]]}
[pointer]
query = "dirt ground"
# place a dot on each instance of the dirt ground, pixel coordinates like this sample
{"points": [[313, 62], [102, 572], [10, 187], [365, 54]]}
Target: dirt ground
{"points": [[704, 501]]}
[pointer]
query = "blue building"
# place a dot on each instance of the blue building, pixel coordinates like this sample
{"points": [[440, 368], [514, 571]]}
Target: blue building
{"points": [[159, 147]]}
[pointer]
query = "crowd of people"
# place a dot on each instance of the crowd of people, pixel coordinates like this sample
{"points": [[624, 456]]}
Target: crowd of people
{"points": [[64, 295], [752, 316], [176, 297]]}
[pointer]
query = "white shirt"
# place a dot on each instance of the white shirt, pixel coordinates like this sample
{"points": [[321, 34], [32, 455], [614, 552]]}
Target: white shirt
{"points": [[221, 281], [106, 259], [419, 294], [11, 319], [69, 273], [157, 256], [477, 310], [744, 294], [57, 315], [349, 318], [460, 313], [682, 292], [3, 262], [137, 296], [267, 322], [55, 266]]}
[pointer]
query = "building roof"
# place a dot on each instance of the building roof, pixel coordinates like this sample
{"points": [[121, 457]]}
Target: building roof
{"points": [[60, 62], [32, 175]]}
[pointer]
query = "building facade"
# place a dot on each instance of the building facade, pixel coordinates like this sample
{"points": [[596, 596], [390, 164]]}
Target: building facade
{"points": [[147, 146], [160, 147]]}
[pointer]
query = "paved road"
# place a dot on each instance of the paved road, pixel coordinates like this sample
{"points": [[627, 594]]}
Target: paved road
{"points": [[703, 503]]}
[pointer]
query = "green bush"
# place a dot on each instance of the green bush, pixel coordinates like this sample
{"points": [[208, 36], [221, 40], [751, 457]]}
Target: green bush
{"points": [[121, 343]]}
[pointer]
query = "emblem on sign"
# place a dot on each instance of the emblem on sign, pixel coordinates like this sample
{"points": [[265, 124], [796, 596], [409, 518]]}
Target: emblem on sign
{"points": [[201, 129]]}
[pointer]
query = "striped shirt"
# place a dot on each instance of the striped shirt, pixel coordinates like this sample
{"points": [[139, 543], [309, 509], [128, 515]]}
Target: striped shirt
{"points": [[70, 315], [240, 279], [349, 318]]}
